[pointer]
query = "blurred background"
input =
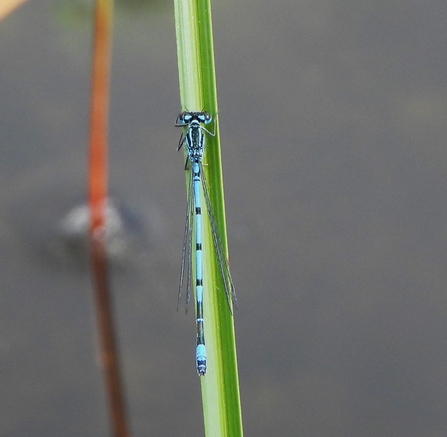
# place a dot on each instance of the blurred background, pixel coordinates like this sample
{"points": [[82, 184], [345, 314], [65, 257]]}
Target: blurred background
{"points": [[333, 126]]}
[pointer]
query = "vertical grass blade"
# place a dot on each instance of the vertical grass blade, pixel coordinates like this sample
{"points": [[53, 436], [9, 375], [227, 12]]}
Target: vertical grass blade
{"points": [[220, 386], [97, 192]]}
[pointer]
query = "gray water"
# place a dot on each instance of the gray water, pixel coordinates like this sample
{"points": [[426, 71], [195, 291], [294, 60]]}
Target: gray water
{"points": [[333, 124]]}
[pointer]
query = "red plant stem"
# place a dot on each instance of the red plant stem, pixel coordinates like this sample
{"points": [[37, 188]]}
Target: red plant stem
{"points": [[97, 190]]}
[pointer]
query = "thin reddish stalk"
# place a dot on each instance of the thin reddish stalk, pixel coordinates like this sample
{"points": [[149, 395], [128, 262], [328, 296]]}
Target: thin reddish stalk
{"points": [[97, 190]]}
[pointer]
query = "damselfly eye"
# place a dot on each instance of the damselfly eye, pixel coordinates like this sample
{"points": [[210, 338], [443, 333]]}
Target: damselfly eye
{"points": [[181, 118], [204, 117], [186, 117]]}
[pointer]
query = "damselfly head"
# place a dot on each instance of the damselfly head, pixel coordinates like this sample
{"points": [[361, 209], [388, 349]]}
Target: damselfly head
{"points": [[186, 118]]}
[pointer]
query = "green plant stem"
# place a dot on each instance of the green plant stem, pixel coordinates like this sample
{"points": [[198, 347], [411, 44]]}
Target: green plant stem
{"points": [[220, 386]]}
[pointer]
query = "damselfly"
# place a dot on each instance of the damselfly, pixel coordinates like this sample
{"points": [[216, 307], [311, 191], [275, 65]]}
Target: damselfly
{"points": [[194, 140]]}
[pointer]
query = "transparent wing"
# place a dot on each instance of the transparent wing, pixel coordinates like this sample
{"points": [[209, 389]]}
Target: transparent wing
{"points": [[186, 263], [218, 247]]}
